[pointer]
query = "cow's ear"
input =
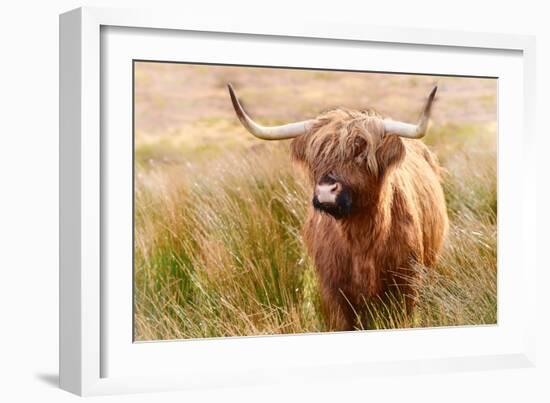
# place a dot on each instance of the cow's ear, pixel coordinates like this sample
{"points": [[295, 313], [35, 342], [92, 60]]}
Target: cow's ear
{"points": [[390, 153], [298, 149]]}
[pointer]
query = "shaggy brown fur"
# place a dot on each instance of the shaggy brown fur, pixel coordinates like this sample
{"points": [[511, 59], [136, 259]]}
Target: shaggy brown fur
{"points": [[399, 217]]}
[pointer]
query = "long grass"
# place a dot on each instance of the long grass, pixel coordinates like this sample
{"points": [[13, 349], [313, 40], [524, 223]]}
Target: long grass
{"points": [[218, 250]]}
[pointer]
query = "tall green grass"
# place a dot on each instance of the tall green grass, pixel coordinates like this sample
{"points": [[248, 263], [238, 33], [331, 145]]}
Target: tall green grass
{"points": [[218, 250]]}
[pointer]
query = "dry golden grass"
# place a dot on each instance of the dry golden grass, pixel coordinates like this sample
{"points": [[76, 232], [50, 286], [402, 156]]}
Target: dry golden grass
{"points": [[218, 250]]}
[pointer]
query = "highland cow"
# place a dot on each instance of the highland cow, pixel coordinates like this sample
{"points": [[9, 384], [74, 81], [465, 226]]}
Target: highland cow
{"points": [[378, 209]]}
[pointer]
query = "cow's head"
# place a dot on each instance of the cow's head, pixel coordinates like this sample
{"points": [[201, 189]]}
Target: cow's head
{"points": [[347, 153]]}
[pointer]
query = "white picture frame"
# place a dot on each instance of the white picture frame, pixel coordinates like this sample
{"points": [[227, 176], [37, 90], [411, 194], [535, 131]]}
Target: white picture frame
{"points": [[96, 354]]}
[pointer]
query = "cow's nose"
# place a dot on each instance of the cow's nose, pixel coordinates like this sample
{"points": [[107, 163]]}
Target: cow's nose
{"points": [[327, 193]]}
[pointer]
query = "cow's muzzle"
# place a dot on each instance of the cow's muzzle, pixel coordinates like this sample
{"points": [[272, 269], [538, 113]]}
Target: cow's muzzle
{"points": [[331, 196]]}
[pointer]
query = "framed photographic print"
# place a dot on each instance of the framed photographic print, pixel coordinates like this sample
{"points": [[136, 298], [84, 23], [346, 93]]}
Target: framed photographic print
{"points": [[238, 197]]}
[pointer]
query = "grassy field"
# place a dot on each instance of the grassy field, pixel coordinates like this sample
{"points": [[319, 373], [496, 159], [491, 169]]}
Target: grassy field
{"points": [[218, 250]]}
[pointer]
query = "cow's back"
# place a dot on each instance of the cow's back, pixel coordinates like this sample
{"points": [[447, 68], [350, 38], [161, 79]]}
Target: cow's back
{"points": [[419, 181]]}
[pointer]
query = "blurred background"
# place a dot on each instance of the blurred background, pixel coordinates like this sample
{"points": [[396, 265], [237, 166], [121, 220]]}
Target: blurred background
{"points": [[182, 109]]}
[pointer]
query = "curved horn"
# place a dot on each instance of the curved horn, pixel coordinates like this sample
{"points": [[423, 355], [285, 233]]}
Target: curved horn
{"points": [[409, 130], [283, 132]]}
